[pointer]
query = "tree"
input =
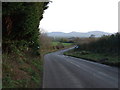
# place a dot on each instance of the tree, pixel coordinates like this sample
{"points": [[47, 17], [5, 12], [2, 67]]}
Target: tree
{"points": [[92, 36], [20, 24], [45, 41]]}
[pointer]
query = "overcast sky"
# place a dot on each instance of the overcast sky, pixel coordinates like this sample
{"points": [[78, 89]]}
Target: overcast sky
{"points": [[81, 16]]}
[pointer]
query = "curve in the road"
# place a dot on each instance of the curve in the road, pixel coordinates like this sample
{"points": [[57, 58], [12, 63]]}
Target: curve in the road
{"points": [[62, 71]]}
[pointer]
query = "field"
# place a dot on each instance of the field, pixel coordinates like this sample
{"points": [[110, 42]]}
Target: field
{"points": [[65, 44]]}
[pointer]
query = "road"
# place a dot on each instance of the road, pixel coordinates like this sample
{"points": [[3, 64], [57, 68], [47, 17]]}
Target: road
{"points": [[62, 71]]}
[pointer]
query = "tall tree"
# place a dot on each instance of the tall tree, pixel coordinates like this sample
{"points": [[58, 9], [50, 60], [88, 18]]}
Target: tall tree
{"points": [[21, 22]]}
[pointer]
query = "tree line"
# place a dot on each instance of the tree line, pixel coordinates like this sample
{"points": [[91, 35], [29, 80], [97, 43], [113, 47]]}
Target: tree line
{"points": [[105, 44]]}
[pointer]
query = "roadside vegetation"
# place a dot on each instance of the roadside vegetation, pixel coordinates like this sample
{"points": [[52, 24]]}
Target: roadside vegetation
{"points": [[22, 70], [21, 56], [52, 44], [103, 50]]}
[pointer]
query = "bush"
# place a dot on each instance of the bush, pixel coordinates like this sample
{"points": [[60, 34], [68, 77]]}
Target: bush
{"points": [[105, 44]]}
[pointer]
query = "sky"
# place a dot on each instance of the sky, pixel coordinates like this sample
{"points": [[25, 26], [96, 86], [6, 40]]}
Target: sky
{"points": [[81, 16]]}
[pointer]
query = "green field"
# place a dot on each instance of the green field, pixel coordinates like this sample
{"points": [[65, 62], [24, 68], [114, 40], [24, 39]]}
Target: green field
{"points": [[65, 44]]}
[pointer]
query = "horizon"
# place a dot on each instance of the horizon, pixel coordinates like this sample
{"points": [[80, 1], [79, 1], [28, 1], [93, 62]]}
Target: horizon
{"points": [[78, 32]]}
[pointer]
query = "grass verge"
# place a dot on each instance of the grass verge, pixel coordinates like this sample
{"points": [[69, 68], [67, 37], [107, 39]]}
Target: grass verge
{"points": [[96, 57]]}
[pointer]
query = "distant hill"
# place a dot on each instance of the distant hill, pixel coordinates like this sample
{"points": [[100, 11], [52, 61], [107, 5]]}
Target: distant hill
{"points": [[77, 34]]}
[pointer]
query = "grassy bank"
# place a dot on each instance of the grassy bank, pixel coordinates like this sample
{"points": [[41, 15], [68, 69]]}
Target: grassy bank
{"points": [[22, 70], [108, 59]]}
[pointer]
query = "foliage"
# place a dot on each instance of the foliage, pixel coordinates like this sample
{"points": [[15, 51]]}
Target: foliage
{"points": [[22, 67], [105, 44], [20, 24], [45, 41], [21, 70]]}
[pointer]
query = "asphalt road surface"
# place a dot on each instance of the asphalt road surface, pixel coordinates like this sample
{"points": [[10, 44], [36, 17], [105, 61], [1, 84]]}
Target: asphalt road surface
{"points": [[62, 71]]}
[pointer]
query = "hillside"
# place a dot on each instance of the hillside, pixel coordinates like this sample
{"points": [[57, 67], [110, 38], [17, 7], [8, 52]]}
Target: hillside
{"points": [[77, 34]]}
